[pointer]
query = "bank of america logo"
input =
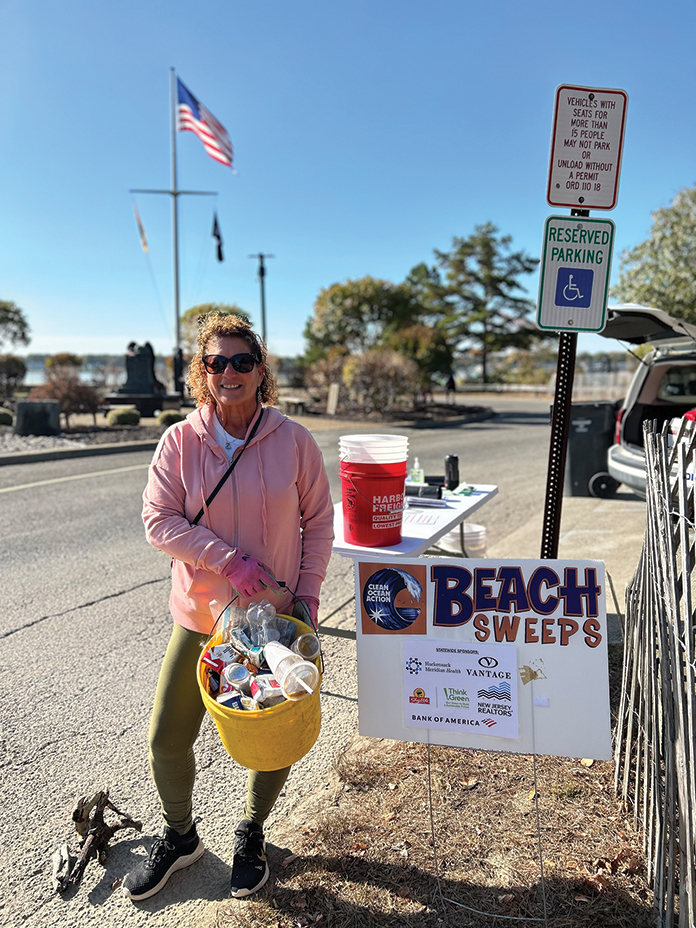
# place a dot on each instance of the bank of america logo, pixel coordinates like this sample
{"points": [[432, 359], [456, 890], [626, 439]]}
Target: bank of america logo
{"points": [[489, 722], [501, 691]]}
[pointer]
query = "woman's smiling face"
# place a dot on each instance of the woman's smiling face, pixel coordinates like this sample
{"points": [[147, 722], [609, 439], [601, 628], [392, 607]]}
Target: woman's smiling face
{"points": [[234, 393]]}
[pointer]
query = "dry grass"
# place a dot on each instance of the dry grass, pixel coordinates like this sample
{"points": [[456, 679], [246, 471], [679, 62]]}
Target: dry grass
{"points": [[366, 858]]}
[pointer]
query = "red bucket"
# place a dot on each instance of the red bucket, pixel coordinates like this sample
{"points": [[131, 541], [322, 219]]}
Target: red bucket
{"points": [[373, 503]]}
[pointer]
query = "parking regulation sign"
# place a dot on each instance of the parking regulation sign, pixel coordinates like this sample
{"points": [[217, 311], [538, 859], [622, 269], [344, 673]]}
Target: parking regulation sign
{"points": [[588, 132], [574, 280]]}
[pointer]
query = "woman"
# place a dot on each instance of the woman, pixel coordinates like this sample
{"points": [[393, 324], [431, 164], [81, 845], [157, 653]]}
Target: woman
{"points": [[271, 518]]}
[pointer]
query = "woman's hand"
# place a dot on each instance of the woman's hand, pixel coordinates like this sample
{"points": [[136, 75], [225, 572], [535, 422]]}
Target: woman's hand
{"points": [[307, 610], [248, 575]]}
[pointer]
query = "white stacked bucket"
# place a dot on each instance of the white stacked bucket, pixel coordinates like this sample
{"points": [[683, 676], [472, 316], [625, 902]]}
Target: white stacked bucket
{"points": [[373, 474], [474, 540]]}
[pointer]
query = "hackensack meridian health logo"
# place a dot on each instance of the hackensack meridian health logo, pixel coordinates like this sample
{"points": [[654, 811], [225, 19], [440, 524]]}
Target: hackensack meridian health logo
{"points": [[391, 598]]}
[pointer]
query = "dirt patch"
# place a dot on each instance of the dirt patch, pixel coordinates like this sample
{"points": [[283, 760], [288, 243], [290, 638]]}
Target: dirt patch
{"points": [[361, 853], [435, 413]]}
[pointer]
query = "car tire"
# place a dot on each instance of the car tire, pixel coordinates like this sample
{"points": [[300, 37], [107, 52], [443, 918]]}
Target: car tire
{"points": [[602, 485]]}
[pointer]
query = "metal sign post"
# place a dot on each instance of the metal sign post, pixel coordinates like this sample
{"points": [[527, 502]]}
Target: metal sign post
{"points": [[588, 131], [560, 426]]}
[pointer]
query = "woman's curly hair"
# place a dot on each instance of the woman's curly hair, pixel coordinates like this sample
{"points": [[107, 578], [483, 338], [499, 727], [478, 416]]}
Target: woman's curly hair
{"points": [[216, 325]]}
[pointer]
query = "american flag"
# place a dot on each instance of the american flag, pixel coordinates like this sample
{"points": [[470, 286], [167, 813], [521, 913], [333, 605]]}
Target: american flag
{"points": [[192, 115]]}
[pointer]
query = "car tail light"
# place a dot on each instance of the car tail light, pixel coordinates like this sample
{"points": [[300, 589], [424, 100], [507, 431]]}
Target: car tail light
{"points": [[617, 428]]}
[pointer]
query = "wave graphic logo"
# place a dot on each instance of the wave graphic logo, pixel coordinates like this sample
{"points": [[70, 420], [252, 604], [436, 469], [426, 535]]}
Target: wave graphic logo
{"points": [[392, 598], [499, 691], [489, 722]]}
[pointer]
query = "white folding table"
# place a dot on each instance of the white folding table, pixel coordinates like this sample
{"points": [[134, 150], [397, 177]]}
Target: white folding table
{"points": [[422, 525]]}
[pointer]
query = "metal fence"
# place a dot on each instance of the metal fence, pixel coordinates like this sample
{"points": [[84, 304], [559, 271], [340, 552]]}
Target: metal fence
{"points": [[655, 749]]}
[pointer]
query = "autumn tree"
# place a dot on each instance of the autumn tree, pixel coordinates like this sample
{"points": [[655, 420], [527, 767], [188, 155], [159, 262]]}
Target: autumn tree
{"points": [[379, 378], [358, 315], [428, 348], [64, 362], [661, 271], [190, 320], [63, 384]]}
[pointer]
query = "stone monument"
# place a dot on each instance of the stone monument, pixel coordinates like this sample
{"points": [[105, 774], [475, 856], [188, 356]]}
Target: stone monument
{"points": [[142, 389]]}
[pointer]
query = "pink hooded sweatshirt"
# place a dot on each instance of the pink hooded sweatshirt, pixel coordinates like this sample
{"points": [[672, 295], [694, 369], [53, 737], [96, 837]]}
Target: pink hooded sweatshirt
{"points": [[275, 506]]}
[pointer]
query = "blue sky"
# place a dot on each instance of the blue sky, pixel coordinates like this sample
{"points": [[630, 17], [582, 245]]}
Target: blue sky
{"points": [[366, 134]]}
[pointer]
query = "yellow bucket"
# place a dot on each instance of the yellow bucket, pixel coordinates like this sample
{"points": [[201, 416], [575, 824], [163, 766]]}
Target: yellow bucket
{"points": [[271, 738]]}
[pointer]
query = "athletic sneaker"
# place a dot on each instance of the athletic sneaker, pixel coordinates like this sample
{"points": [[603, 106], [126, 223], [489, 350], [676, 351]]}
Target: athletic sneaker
{"points": [[169, 853], [249, 866]]}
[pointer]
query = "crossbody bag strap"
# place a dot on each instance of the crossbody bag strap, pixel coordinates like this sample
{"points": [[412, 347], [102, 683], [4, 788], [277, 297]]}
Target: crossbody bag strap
{"points": [[229, 469]]}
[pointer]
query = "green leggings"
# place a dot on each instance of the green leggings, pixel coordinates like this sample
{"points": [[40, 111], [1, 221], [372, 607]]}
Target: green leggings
{"points": [[176, 721]]}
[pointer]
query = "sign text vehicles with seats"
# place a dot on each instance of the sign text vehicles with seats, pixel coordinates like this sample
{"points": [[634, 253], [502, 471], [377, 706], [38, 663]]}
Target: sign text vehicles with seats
{"points": [[588, 131]]}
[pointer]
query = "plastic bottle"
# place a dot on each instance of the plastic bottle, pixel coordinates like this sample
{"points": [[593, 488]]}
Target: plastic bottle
{"points": [[297, 677], [417, 472]]}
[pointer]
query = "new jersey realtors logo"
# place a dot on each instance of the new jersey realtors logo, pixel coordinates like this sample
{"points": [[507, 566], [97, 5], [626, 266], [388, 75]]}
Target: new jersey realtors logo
{"points": [[393, 598], [497, 691]]}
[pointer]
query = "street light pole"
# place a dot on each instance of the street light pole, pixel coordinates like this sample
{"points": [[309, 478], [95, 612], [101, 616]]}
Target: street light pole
{"points": [[262, 275]]}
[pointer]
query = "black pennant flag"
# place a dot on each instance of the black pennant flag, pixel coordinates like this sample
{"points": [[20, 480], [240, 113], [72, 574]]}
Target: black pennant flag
{"points": [[218, 237]]}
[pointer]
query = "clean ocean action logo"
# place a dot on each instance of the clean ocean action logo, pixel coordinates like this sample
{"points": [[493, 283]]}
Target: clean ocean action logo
{"points": [[391, 598]]}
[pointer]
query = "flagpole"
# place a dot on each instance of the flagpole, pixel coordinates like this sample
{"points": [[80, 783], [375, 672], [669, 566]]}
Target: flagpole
{"points": [[175, 193], [175, 213]]}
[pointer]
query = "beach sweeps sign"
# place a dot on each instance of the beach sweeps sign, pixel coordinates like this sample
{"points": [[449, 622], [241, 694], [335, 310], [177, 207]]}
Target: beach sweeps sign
{"points": [[500, 655]]}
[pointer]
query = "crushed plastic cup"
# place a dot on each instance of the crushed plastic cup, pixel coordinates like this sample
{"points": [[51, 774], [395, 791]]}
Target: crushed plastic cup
{"points": [[296, 676]]}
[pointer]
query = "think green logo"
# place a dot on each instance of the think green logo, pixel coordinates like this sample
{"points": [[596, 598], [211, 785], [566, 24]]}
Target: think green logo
{"points": [[458, 697]]}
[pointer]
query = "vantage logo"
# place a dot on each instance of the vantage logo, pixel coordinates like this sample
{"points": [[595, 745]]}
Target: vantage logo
{"points": [[455, 697]]}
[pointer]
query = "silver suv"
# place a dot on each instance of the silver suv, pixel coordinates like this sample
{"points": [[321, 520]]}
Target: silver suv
{"points": [[663, 386]]}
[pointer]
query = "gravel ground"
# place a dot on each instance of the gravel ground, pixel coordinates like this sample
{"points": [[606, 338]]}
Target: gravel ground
{"points": [[75, 438], [16, 444]]}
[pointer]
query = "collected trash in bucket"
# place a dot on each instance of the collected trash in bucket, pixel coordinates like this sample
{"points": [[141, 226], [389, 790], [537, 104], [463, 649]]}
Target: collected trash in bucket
{"points": [[372, 469], [261, 730], [253, 662]]}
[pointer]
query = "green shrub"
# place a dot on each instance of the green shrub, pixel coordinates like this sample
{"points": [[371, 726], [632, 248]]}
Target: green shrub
{"points": [[168, 417], [123, 417], [12, 372], [5, 417]]}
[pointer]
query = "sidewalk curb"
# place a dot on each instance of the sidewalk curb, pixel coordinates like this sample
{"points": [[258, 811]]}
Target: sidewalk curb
{"points": [[58, 454]]}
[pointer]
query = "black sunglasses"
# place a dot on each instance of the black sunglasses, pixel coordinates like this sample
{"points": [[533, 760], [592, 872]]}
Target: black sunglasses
{"points": [[216, 363]]}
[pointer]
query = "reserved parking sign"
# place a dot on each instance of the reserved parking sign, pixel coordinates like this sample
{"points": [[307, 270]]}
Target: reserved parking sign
{"points": [[574, 280]]}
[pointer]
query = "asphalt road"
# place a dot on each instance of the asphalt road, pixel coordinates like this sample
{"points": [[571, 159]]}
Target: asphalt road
{"points": [[84, 622]]}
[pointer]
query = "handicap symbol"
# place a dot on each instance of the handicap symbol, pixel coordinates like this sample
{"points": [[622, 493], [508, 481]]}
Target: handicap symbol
{"points": [[571, 291], [574, 287]]}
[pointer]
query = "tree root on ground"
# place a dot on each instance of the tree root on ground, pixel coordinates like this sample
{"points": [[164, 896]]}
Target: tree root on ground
{"points": [[95, 833]]}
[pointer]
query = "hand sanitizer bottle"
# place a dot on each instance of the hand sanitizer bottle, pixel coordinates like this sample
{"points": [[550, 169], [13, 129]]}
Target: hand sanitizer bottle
{"points": [[417, 473]]}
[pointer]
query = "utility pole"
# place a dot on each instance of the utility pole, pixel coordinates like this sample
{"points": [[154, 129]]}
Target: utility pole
{"points": [[262, 275]]}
